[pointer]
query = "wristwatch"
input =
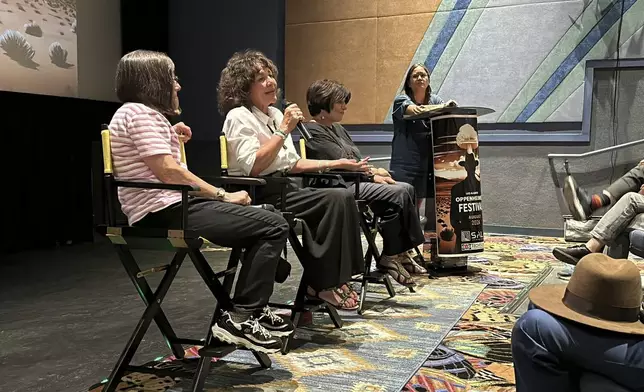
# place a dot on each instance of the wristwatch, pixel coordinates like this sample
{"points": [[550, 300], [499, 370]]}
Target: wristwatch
{"points": [[220, 194]]}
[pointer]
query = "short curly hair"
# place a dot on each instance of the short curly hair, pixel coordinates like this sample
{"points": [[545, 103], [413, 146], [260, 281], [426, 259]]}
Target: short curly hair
{"points": [[238, 76]]}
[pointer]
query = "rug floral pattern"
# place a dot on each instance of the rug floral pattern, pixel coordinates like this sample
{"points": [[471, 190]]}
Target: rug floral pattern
{"points": [[475, 356], [377, 351]]}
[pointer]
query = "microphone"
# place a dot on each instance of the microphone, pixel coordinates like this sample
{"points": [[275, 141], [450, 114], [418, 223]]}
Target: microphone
{"points": [[306, 135]]}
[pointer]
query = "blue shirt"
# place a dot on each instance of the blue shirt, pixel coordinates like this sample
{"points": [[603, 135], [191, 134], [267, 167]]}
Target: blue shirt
{"points": [[410, 147]]}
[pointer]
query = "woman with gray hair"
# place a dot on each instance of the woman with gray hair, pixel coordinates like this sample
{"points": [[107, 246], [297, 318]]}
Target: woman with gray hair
{"points": [[146, 148], [259, 144]]}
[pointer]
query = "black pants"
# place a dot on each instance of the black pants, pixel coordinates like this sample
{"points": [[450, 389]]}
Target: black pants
{"points": [[396, 206], [261, 233], [330, 233]]}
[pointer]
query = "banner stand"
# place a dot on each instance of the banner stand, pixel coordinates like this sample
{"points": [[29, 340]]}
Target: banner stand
{"points": [[455, 215]]}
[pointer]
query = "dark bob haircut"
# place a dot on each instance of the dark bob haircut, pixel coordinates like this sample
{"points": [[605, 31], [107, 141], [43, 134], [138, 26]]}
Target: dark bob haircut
{"points": [[147, 77], [407, 89], [323, 94], [238, 76]]}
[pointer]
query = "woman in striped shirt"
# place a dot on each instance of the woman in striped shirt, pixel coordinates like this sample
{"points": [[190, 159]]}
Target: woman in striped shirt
{"points": [[146, 148]]}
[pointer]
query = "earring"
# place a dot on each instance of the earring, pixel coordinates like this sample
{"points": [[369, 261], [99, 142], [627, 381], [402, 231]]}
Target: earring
{"points": [[321, 117]]}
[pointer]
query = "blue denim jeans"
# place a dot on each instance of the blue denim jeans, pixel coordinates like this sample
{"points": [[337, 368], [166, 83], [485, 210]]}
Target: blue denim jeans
{"points": [[550, 354]]}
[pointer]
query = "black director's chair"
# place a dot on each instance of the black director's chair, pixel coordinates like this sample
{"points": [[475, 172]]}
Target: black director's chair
{"points": [[183, 243], [369, 224], [302, 303]]}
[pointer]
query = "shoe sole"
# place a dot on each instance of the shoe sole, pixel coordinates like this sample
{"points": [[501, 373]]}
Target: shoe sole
{"points": [[280, 334], [572, 200], [563, 257], [227, 337]]}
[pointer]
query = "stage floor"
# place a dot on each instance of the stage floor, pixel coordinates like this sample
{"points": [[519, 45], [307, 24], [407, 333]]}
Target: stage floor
{"points": [[66, 314]]}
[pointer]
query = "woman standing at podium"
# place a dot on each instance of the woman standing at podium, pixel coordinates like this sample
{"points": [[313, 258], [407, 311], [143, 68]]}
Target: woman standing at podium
{"points": [[411, 150]]}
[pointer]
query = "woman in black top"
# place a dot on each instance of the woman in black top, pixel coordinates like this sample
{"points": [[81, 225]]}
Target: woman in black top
{"points": [[394, 201], [411, 150]]}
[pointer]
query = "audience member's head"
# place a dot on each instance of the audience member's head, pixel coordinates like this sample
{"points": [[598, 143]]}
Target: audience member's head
{"points": [[328, 99], [417, 79], [148, 77], [249, 79], [603, 292]]}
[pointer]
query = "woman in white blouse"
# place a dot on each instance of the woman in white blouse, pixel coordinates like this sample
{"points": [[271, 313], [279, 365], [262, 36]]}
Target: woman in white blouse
{"points": [[259, 144]]}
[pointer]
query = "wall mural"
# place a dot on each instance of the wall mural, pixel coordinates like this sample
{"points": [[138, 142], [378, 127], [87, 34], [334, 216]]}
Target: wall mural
{"points": [[525, 59]]}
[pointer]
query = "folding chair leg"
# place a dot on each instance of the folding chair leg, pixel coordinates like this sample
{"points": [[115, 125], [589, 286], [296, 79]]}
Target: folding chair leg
{"points": [[207, 274], [371, 240], [335, 317], [296, 315], [420, 259], [363, 294], [263, 359], [389, 286], [145, 292], [151, 311]]}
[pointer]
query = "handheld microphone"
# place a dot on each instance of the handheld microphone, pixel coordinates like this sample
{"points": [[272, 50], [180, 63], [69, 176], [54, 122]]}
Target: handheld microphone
{"points": [[300, 127]]}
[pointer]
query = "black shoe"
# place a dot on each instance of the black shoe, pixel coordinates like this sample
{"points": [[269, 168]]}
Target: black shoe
{"points": [[577, 199], [571, 255], [249, 334], [276, 325]]}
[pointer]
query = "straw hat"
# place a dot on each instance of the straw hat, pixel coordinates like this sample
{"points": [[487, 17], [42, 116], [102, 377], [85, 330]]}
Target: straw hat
{"points": [[602, 292]]}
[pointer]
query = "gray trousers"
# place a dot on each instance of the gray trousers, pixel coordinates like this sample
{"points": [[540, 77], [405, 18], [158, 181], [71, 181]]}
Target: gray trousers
{"points": [[629, 182], [619, 217]]}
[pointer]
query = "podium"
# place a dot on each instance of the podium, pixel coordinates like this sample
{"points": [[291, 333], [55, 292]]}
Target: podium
{"points": [[456, 208]]}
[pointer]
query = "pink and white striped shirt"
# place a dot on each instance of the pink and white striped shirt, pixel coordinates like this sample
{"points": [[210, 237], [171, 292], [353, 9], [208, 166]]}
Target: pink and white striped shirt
{"points": [[136, 132]]}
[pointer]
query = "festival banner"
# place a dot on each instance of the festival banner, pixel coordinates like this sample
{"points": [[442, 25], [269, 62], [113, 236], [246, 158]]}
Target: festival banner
{"points": [[457, 181]]}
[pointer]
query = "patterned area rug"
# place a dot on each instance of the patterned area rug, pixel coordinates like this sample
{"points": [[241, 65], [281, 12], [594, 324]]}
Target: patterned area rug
{"points": [[378, 351], [475, 356]]}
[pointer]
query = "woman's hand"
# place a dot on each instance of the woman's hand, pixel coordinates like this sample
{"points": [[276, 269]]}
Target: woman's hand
{"points": [[241, 198], [642, 190], [415, 109], [183, 131], [352, 165], [292, 116], [383, 180], [379, 171]]}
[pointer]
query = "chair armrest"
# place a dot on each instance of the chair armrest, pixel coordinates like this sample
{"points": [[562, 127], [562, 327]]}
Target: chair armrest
{"points": [[278, 180], [156, 185], [346, 175], [327, 175], [232, 180]]}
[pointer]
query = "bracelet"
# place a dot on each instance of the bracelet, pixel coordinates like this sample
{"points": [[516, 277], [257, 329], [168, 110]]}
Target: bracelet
{"points": [[319, 166], [281, 134]]}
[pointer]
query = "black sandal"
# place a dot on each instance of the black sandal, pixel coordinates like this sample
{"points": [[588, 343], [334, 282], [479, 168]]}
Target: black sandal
{"points": [[397, 271]]}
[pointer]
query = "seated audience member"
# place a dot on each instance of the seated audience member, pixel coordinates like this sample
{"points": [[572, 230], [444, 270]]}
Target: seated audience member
{"points": [[145, 147], [582, 205], [610, 226], [327, 102], [259, 144], [590, 327]]}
